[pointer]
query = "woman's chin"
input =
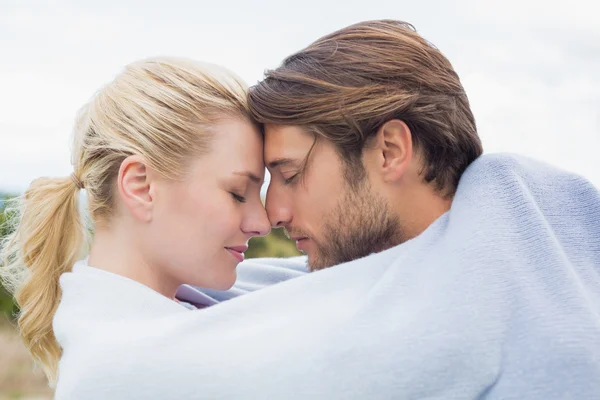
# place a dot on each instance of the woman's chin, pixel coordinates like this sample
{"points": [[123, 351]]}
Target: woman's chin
{"points": [[225, 284], [223, 281]]}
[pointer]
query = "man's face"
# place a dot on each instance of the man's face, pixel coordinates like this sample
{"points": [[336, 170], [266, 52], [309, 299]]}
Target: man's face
{"points": [[330, 220]]}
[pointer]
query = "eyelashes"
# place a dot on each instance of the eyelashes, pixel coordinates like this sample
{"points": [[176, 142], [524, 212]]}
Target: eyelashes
{"points": [[290, 179], [238, 198]]}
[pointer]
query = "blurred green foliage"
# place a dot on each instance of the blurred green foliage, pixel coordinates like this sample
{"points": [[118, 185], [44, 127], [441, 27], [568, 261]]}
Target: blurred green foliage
{"points": [[7, 306]]}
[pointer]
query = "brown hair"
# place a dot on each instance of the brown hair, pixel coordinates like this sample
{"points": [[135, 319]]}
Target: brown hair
{"points": [[346, 85]]}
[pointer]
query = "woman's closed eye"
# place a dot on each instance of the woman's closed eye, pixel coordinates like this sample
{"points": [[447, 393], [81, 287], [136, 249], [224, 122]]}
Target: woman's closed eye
{"points": [[287, 181], [238, 198]]}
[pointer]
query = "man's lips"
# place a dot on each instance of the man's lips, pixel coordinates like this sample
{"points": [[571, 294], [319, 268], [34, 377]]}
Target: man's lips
{"points": [[301, 242], [297, 238]]}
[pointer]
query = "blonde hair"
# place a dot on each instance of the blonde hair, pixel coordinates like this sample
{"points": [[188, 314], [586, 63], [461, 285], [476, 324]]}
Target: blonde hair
{"points": [[160, 109]]}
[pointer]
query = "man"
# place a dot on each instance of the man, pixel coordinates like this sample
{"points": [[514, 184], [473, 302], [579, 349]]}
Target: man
{"points": [[367, 132]]}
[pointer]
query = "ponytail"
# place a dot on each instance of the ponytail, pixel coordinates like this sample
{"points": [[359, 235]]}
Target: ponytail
{"points": [[48, 237]]}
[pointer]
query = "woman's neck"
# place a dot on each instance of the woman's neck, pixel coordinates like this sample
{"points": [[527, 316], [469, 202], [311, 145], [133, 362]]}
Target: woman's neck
{"points": [[116, 251]]}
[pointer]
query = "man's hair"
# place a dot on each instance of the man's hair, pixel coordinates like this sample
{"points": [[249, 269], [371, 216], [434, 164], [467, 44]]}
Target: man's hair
{"points": [[346, 85]]}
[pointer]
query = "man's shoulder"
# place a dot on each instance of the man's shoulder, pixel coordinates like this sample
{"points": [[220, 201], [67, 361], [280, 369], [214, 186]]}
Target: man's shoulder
{"points": [[502, 168]]}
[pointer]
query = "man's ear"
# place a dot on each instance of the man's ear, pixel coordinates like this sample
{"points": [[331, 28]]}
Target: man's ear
{"points": [[135, 187], [394, 148]]}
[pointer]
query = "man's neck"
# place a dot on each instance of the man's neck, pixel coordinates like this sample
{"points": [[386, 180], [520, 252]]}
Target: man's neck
{"points": [[421, 210]]}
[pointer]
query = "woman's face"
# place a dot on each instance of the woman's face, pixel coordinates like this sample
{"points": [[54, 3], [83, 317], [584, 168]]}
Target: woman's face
{"points": [[201, 225]]}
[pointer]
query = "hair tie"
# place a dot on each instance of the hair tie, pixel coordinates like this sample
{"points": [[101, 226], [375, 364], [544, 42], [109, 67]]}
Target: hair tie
{"points": [[76, 181]]}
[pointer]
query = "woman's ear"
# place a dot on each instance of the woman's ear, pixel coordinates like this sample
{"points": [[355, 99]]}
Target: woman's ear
{"points": [[134, 185]]}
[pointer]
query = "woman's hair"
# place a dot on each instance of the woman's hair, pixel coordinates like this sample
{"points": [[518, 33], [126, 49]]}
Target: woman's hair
{"points": [[161, 109]]}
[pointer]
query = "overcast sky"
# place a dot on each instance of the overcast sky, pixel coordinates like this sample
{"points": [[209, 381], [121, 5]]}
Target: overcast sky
{"points": [[530, 68]]}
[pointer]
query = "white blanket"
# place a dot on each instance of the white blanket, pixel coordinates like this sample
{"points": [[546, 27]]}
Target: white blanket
{"points": [[498, 299]]}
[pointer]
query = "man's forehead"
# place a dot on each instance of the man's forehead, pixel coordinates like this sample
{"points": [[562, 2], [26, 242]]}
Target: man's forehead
{"points": [[286, 143]]}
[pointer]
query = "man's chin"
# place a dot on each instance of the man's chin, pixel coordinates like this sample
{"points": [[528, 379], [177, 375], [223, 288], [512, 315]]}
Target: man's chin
{"points": [[316, 258], [315, 263]]}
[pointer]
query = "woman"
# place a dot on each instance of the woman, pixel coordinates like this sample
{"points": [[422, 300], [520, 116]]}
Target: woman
{"points": [[172, 165]]}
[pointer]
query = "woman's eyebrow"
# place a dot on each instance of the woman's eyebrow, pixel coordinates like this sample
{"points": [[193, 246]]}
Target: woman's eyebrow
{"points": [[251, 175]]}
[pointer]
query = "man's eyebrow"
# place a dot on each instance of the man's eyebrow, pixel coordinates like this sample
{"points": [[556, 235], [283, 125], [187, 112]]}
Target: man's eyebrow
{"points": [[278, 162], [253, 177]]}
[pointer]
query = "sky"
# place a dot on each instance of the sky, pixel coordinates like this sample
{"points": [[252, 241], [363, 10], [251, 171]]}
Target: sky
{"points": [[529, 67]]}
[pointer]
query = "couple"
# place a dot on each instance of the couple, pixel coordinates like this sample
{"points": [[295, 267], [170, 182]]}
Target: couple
{"points": [[457, 275]]}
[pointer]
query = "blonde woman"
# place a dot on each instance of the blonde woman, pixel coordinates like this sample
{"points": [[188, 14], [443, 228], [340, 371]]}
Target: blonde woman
{"points": [[172, 165]]}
